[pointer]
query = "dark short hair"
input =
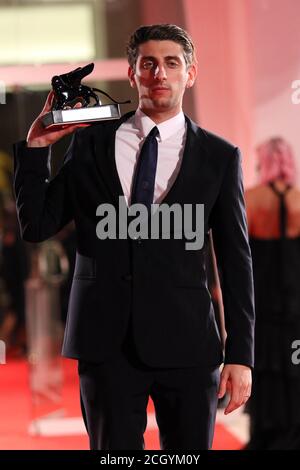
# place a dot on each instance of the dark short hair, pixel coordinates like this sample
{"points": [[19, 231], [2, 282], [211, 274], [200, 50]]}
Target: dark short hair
{"points": [[160, 32]]}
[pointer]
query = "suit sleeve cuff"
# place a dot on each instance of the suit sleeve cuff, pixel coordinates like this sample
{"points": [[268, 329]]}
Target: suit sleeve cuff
{"points": [[29, 158]]}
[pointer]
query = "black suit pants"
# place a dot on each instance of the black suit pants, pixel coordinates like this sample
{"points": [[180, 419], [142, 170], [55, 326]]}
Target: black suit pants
{"points": [[114, 396]]}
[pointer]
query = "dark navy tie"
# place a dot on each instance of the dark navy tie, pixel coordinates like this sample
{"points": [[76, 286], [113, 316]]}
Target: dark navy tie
{"points": [[144, 177]]}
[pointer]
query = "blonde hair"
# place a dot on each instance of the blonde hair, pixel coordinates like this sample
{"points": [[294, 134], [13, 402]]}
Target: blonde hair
{"points": [[276, 161]]}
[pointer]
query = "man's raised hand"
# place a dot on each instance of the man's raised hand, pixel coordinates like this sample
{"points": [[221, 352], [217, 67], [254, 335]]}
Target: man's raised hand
{"points": [[38, 136]]}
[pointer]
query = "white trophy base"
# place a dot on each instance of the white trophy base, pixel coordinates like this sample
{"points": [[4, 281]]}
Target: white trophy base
{"points": [[81, 115]]}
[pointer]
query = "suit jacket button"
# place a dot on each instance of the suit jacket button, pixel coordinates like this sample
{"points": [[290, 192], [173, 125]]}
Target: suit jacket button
{"points": [[127, 277]]}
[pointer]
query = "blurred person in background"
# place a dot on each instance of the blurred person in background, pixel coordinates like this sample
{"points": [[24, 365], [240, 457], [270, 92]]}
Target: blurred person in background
{"points": [[273, 209]]}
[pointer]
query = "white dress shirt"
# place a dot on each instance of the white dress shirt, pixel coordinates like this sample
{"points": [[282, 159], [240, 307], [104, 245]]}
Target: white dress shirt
{"points": [[171, 140]]}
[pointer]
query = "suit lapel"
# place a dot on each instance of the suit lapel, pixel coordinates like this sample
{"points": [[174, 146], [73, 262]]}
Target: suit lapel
{"points": [[193, 162], [105, 156]]}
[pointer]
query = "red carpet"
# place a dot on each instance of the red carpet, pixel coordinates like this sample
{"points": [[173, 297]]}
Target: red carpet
{"points": [[16, 413]]}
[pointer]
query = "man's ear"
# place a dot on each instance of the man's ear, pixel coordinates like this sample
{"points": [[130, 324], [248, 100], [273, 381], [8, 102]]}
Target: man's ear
{"points": [[192, 74], [131, 76]]}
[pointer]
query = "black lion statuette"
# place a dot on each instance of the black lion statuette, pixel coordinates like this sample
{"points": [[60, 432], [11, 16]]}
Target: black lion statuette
{"points": [[68, 89]]}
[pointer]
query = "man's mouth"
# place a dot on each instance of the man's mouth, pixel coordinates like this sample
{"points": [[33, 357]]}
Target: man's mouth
{"points": [[159, 89]]}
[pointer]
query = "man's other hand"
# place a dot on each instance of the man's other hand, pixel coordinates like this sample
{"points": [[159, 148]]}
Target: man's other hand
{"points": [[237, 380]]}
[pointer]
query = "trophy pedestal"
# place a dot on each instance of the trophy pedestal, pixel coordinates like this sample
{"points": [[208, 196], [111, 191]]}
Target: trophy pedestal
{"points": [[62, 117]]}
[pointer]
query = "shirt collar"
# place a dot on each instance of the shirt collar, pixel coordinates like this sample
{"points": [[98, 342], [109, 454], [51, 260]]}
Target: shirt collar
{"points": [[166, 129]]}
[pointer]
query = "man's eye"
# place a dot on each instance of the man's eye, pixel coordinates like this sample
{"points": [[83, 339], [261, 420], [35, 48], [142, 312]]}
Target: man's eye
{"points": [[172, 64], [147, 65]]}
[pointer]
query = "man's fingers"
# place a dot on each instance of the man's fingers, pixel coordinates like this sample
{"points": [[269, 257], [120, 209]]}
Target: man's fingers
{"points": [[238, 385], [238, 398], [234, 403], [48, 104], [247, 394], [78, 105], [222, 387], [75, 126], [68, 129], [230, 407]]}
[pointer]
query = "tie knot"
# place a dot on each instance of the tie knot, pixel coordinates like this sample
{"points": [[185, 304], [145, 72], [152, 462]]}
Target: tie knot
{"points": [[154, 132]]}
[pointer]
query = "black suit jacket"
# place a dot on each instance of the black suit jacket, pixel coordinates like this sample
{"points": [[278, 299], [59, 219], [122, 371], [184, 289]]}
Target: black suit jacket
{"points": [[156, 286]]}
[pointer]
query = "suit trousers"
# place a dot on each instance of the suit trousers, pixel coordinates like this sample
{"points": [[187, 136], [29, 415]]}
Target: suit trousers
{"points": [[114, 397]]}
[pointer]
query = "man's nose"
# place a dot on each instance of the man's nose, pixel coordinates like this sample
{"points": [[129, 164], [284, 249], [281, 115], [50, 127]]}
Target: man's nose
{"points": [[160, 72]]}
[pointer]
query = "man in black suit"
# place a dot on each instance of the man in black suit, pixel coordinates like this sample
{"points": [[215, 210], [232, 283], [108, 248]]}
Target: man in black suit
{"points": [[140, 319]]}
